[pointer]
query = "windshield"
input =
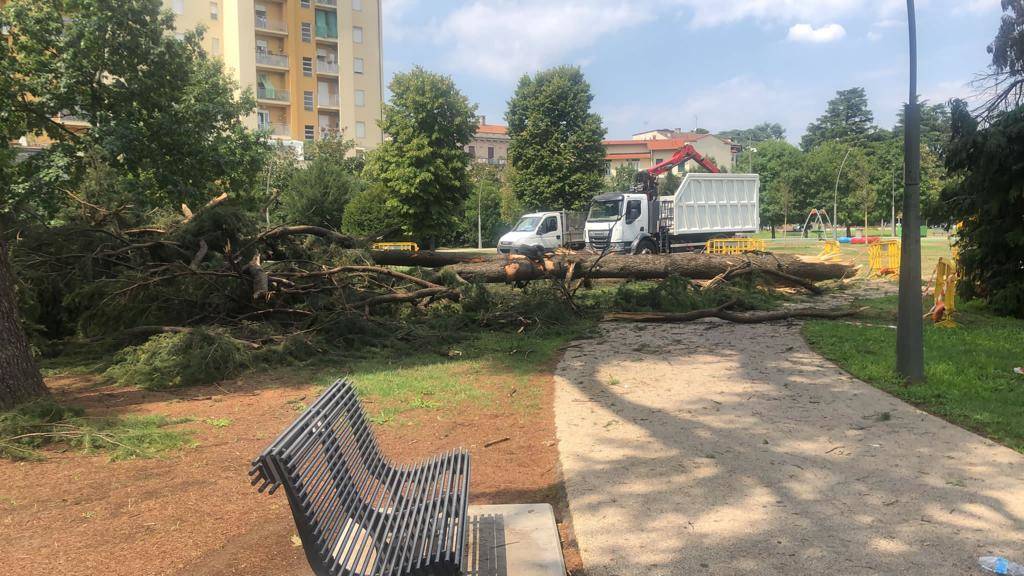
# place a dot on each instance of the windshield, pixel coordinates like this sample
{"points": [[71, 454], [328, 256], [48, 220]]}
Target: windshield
{"points": [[604, 210], [527, 224]]}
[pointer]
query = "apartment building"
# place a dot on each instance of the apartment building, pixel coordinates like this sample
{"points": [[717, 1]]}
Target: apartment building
{"points": [[314, 65], [489, 144]]}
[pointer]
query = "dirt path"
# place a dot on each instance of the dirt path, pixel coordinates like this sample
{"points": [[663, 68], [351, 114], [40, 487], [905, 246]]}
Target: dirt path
{"points": [[193, 511], [712, 448]]}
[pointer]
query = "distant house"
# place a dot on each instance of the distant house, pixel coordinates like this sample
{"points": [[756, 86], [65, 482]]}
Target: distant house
{"points": [[645, 149], [490, 143]]}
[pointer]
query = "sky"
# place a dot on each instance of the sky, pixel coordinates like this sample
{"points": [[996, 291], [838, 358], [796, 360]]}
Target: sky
{"points": [[714, 64]]}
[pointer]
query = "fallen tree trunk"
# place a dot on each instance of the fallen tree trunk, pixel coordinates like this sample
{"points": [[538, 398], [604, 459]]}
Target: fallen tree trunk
{"points": [[737, 317], [691, 265], [429, 258]]}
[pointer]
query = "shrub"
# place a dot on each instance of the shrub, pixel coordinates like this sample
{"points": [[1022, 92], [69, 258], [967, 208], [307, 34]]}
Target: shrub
{"points": [[185, 359], [371, 211]]}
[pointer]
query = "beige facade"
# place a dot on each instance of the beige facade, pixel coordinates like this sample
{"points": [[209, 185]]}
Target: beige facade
{"points": [[314, 65], [646, 149], [490, 143]]}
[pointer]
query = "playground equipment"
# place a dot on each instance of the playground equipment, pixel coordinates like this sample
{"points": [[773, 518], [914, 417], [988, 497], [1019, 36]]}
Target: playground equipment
{"points": [[734, 245], [884, 258], [819, 222], [830, 250], [945, 278]]}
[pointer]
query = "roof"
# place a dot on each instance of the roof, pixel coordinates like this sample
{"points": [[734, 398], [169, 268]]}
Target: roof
{"points": [[491, 129], [634, 156], [624, 142], [670, 144]]}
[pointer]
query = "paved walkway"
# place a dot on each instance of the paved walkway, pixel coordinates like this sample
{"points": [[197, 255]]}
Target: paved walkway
{"points": [[712, 448]]}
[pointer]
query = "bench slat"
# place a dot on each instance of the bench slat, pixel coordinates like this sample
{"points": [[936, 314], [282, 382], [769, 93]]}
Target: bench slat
{"points": [[355, 511]]}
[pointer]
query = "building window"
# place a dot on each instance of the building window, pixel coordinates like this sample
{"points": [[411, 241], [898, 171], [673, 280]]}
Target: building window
{"points": [[307, 100], [326, 24], [490, 152], [307, 66], [472, 151], [307, 32], [178, 6], [304, 3], [215, 45], [214, 11], [357, 34], [360, 98], [263, 120], [357, 5], [360, 129], [308, 132], [357, 65]]}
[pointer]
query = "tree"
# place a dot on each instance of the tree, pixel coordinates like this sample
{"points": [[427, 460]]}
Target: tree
{"points": [[985, 198], [19, 376], [774, 161], [762, 132], [555, 143], [669, 183], [159, 110], [1004, 82], [424, 165], [935, 127], [485, 201], [318, 193], [847, 119], [372, 210], [621, 179]]}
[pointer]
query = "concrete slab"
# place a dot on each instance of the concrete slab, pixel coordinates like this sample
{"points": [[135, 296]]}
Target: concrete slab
{"points": [[513, 540]]}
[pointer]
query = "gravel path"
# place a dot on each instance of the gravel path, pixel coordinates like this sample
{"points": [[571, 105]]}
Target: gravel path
{"points": [[712, 448]]}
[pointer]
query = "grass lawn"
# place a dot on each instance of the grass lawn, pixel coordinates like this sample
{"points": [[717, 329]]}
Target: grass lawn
{"points": [[932, 248], [969, 369]]}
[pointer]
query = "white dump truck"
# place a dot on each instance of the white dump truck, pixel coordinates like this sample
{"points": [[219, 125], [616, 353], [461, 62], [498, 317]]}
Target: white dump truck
{"points": [[705, 206], [545, 231]]}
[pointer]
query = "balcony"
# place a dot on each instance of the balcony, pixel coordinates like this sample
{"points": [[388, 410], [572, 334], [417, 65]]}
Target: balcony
{"points": [[270, 25], [329, 33], [327, 100], [331, 3], [323, 67], [272, 95], [275, 129], [275, 60]]}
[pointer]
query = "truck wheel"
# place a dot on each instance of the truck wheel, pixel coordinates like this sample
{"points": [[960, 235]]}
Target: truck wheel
{"points": [[646, 246]]}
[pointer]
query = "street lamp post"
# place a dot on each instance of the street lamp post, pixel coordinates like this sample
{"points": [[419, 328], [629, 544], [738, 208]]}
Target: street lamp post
{"points": [[909, 323]]}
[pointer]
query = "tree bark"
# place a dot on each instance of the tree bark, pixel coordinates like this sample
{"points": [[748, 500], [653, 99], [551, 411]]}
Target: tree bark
{"points": [[647, 267], [19, 376], [428, 258]]}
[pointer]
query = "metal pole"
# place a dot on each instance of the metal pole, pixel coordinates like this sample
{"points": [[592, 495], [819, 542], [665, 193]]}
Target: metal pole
{"points": [[835, 196], [894, 203], [479, 228], [909, 323]]}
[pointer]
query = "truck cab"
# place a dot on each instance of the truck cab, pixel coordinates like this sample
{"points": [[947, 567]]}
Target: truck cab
{"points": [[625, 221], [548, 230]]}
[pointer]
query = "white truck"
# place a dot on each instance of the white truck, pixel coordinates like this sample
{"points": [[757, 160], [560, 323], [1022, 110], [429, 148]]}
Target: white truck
{"points": [[705, 206], [545, 231]]}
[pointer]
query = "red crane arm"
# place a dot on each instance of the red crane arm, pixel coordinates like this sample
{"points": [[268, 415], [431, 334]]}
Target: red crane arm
{"points": [[682, 155]]}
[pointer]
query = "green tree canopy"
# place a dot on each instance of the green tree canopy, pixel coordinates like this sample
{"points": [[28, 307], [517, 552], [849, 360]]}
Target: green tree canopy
{"points": [[318, 192], [1005, 80], [555, 140], [424, 165], [848, 119], [160, 110], [760, 133]]}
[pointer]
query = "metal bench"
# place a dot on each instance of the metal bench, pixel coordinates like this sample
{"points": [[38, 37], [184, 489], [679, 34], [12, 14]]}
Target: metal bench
{"points": [[356, 512]]}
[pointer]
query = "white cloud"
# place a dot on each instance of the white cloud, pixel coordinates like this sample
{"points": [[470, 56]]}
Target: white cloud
{"points": [[392, 13], [977, 6], [741, 101], [808, 33], [503, 39]]}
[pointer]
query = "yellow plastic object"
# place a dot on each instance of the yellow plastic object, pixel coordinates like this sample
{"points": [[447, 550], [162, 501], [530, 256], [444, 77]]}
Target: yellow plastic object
{"points": [[946, 278], [408, 246], [884, 258], [831, 250], [734, 245]]}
